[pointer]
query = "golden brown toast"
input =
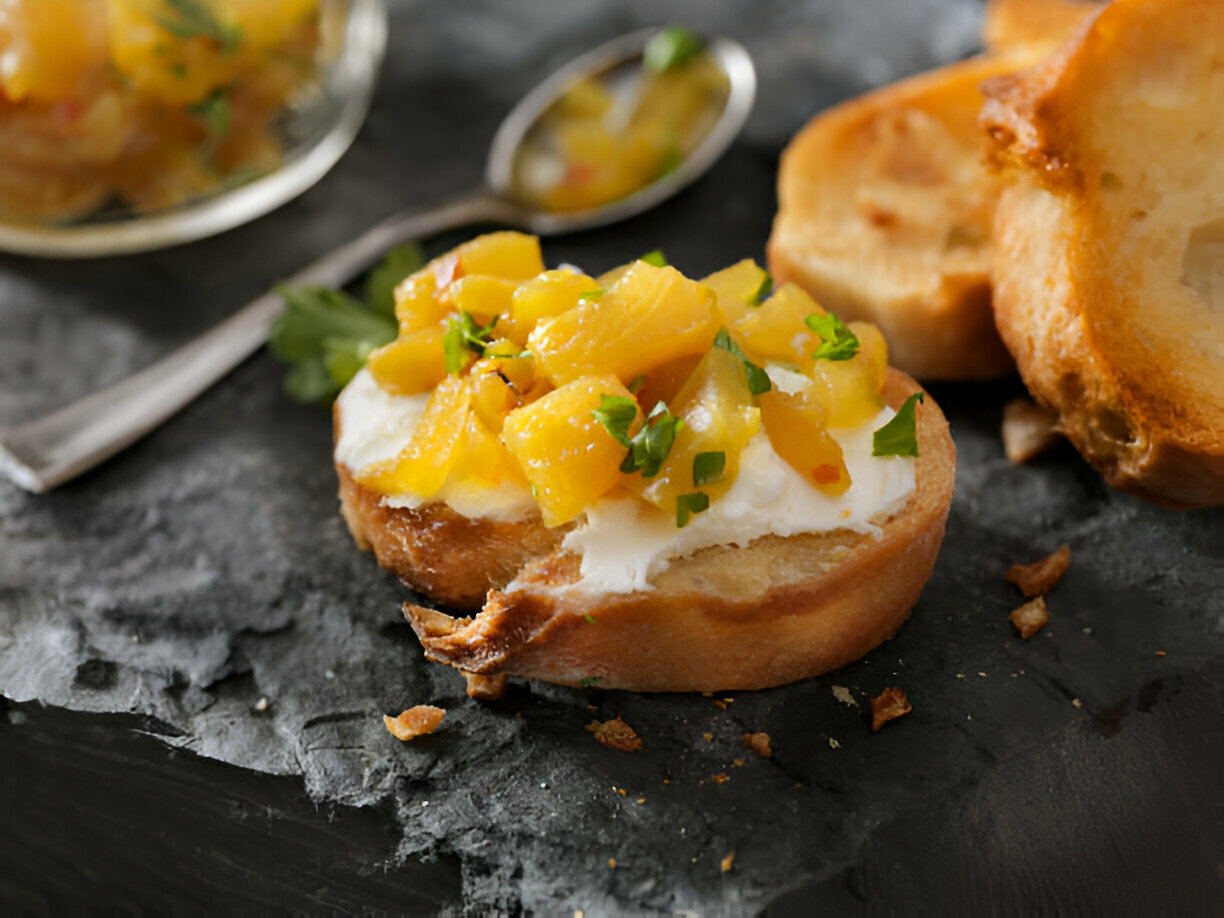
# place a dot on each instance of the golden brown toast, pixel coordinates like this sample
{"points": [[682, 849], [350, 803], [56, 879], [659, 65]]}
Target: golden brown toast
{"points": [[726, 617], [1109, 242], [885, 207]]}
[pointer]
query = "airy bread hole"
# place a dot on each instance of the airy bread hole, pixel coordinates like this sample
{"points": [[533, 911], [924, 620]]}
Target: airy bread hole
{"points": [[1203, 265]]}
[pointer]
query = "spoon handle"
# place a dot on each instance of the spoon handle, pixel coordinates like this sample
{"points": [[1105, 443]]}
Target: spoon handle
{"points": [[50, 450]]}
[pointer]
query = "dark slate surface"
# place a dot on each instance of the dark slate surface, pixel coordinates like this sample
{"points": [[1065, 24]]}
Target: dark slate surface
{"points": [[147, 608]]}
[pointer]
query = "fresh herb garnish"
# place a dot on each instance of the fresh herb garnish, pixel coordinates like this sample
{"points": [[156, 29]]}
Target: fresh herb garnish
{"points": [[214, 110], [594, 294], [588, 681], [837, 342], [325, 335], [656, 258], [386, 276], [196, 19], [616, 414], [708, 468], [688, 504], [635, 384], [464, 336], [590, 619], [672, 47], [758, 379], [649, 447], [899, 436]]}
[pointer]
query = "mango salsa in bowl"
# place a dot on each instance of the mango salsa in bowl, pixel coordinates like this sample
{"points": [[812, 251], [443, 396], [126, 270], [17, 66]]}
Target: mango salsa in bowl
{"points": [[131, 124]]}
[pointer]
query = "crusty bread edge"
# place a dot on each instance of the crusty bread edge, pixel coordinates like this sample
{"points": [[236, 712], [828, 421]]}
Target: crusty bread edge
{"points": [[835, 596]]}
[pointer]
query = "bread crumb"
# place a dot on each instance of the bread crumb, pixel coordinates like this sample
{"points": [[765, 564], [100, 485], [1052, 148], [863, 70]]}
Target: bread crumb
{"points": [[612, 863], [737, 763], [485, 688], [1076, 703], [616, 734], [720, 778], [727, 862], [1029, 429], [1030, 617], [718, 703], [416, 721], [708, 737], [262, 704], [1040, 576], [833, 744], [842, 694], [888, 705], [758, 743]]}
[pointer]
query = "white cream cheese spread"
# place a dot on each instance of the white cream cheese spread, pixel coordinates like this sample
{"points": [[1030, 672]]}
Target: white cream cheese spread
{"points": [[623, 541]]}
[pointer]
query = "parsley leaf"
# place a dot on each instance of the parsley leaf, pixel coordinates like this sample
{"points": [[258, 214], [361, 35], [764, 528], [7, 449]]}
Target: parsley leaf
{"points": [[670, 48], [463, 335], [616, 414], [708, 468], [588, 681], [649, 448], [656, 258], [594, 294], [758, 379], [196, 19], [688, 504], [837, 342], [899, 436], [214, 110], [325, 335], [382, 281], [761, 294]]}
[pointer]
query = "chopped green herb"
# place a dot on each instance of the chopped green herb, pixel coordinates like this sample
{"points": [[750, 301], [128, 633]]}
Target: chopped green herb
{"points": [[635, 384], [594, 294], [837, 342], [589, 618], [464, 336], [616, 414], [671, 158], [588, 681], [196, 19], [325, 335], [649, 447], [214, 110], [672, 47], [382, 280], [758, 379], [899, 436], [708, 468], [688, 504], [656, 258], [761, 294]]}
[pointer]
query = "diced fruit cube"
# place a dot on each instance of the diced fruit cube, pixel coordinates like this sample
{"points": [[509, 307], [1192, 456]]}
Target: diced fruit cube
{"points": [[507, 254], [417, 304], [739, 288], [492, 395], [795, 423], [412, 363], [549, 295], [852, 388], [480, 295], [776, 330], [719, 417], [649, 317], [565, 453], [484, 459], [435, 448]]}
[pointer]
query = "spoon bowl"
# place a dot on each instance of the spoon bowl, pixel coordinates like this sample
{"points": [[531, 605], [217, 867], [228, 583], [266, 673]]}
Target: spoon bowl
{"points": [[50, 450]]}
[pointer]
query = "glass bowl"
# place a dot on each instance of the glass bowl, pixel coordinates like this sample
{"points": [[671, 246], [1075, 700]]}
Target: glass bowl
{"points": [[310, 131]]}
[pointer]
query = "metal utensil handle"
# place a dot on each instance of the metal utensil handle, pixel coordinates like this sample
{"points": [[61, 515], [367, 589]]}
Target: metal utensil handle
{"points": [[48, 451]]}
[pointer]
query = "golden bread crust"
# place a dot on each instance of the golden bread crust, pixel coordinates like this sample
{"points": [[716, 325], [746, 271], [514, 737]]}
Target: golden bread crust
{"points": [[1109, 243], [775, 611], [885, 215]]}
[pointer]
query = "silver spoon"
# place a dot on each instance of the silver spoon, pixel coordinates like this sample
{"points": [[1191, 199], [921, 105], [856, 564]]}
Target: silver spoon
{"points": [[50, 450]]}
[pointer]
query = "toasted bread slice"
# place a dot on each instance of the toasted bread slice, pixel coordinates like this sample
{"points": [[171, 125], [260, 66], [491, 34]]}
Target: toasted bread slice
{"points": [[727, 617], [1109, 242], [885, 214], [885, 207]]}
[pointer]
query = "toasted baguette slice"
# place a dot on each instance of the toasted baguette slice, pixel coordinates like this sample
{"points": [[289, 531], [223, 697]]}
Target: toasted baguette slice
{"points": [[726, 617], [1031, 29], [1109, 243], [885, 214]]}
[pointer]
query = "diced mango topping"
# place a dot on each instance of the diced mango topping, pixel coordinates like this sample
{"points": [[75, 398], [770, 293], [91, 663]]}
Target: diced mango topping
{"points": [[547, 380]]}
